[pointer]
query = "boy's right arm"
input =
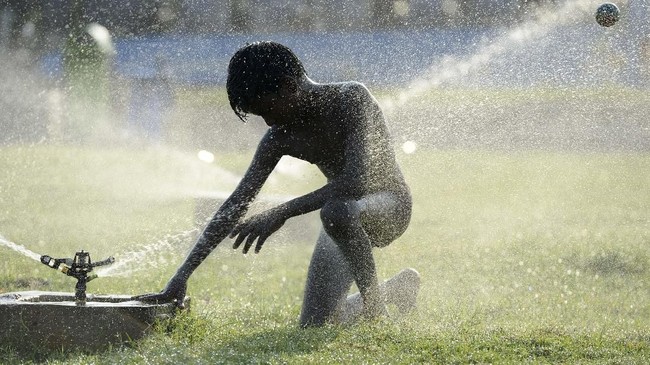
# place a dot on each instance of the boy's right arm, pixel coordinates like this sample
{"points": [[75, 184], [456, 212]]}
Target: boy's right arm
{"points": [[266, 157]]}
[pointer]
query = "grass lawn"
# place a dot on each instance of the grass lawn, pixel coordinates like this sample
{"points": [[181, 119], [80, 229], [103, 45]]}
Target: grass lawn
{"points": [[525, 257]]}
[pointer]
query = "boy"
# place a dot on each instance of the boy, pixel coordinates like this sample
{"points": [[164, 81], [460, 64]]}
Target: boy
{"points": [[365, 203]]}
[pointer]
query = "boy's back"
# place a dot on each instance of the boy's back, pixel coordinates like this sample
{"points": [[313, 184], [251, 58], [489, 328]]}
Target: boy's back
{"points": [[345, 135]]}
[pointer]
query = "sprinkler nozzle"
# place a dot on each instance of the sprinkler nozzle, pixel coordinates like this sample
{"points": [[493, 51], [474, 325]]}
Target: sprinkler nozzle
{"points": [[62, 265], [80, 268]]}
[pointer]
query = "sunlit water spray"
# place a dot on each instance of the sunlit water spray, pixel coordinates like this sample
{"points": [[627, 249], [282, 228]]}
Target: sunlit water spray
{"points": [[156, 254], [452, 69], [149, 256], [20, 249]]}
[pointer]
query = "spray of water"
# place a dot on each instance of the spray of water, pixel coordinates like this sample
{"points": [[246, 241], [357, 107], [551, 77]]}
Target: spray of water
{"points": [[451, 69], [20, 249], [149, 256]]}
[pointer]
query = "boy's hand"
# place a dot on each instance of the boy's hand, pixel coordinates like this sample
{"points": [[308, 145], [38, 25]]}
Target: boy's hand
{"points": [[174, 292], [259, 227]]}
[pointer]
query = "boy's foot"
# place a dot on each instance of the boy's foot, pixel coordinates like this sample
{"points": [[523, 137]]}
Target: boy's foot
{"points": [[402, 290]]}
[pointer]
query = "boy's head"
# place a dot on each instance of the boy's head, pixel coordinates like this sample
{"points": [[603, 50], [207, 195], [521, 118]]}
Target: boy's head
{"points": [[259, 69]]}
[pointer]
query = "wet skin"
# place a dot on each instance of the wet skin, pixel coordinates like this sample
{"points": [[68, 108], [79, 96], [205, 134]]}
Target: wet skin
{"points": [[365, 202]]}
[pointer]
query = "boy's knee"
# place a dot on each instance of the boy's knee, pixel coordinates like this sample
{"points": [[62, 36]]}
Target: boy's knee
{"points": [[338, 216]]}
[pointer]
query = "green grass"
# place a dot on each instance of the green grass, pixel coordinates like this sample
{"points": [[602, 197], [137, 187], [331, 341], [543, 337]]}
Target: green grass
{"points": [[526, 257]]}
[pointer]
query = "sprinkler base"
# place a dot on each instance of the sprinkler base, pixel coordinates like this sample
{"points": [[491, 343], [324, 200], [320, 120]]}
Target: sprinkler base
{"points": [[53, 320]]}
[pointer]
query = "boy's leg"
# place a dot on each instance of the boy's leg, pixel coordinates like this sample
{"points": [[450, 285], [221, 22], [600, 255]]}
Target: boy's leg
{"points": [[344, 254], [328, 282], [342, 222]]}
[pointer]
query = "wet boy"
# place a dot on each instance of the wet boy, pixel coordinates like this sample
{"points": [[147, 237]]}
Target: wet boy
{"points": [[365, 203]]}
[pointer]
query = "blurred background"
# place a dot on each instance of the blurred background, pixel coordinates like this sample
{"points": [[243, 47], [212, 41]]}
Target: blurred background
{"points": [[521, 126], [153, 71]]}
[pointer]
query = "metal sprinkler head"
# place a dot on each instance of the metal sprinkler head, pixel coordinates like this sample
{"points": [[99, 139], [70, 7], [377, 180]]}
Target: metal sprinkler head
{"points": [[80, 268]]}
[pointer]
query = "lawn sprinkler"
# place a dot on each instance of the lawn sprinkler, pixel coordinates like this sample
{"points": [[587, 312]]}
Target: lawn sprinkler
{"points": [[38, 320], [79, 268]]}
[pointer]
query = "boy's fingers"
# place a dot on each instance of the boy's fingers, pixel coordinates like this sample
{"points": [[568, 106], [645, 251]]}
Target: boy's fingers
{"points": [[151, 298], [144, 297], [235, 231], [238, 241], [242, 232], [180, 302], [249, 242], [260, 242]]}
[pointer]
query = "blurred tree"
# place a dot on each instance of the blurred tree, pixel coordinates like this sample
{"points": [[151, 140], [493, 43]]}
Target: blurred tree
{"points": [[22, 103], [165, 16], [23, 19], [382, 13], [241, 16], [86, 62], [389, 13]]}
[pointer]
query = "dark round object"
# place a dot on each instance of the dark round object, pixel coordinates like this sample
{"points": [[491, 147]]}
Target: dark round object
{"points": [[607, 14]]}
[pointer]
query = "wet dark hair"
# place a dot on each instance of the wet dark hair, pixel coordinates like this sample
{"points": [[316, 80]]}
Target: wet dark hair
{"points": [[257, 69]]}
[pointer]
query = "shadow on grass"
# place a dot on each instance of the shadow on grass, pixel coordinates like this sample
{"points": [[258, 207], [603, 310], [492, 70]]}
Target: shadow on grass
{"points": [[613, 262], [245, 340], [279, 344]]}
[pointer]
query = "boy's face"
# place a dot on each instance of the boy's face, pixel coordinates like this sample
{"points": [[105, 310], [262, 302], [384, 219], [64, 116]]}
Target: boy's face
{"points": [[279, 108]]}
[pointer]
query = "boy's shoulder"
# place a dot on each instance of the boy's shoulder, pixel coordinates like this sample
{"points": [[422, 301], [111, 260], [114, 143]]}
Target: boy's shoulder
{"points": [[352, 87], [355, 91]]}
